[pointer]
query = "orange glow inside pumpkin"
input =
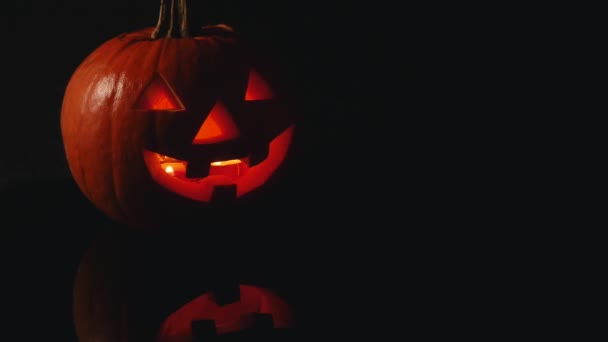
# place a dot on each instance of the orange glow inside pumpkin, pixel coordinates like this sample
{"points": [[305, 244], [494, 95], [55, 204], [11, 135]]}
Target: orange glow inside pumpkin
{"points": [[257, 88], [170, 173], [229, 168], [158, 95], [218, 126]]}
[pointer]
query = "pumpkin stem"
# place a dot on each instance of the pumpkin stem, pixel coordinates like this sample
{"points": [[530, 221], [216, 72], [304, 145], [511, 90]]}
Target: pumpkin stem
{"points": [[172, 20]]}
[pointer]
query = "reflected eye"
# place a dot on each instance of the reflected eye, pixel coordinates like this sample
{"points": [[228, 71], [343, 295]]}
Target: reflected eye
{"points": [[257, 88], [158, 95]]}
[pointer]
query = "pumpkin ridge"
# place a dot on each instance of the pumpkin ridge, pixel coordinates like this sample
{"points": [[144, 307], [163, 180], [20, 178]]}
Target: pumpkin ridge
{"points": [[115, 195], [79, 153], [130, 42], [116, 57], [163, 47], [125, 63], [78, 148]]}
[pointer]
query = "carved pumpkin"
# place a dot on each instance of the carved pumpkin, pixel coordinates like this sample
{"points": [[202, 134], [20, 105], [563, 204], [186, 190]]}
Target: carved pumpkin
{"points": [[133, 287], [159, 122]]}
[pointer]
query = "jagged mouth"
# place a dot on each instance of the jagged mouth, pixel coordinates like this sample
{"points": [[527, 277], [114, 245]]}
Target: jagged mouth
{"points": [[200, 181], [204, 180], [233, 168]]}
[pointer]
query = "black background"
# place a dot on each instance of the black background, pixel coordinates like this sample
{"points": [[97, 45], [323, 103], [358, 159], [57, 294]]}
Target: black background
{"points": [[447, 176]]}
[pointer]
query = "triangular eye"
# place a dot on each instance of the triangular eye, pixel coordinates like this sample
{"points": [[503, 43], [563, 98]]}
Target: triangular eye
{"points": [[257, 88], [158, 95]]}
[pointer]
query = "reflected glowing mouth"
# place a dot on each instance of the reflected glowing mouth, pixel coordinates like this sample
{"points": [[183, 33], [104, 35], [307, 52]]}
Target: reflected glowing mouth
{"points": [[233, 168]]}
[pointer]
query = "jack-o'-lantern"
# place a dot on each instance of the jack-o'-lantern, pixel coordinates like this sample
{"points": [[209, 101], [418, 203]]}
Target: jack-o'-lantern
{"points": [[162, 120], [131, 287]]}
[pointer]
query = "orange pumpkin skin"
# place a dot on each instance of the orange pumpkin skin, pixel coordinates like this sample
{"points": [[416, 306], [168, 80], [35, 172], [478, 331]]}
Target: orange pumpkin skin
{"points": [[114, 140]]}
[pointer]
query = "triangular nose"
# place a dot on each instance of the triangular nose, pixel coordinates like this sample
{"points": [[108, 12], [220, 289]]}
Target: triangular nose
{"points": [[257, 88], [218, 126]]}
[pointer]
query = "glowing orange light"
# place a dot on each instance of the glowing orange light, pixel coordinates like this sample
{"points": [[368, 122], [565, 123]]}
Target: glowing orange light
{"points": [[218, 126], [158, 96], [257, 88], [226, 162], [246, 178], [229, 168], [169, 170]]}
